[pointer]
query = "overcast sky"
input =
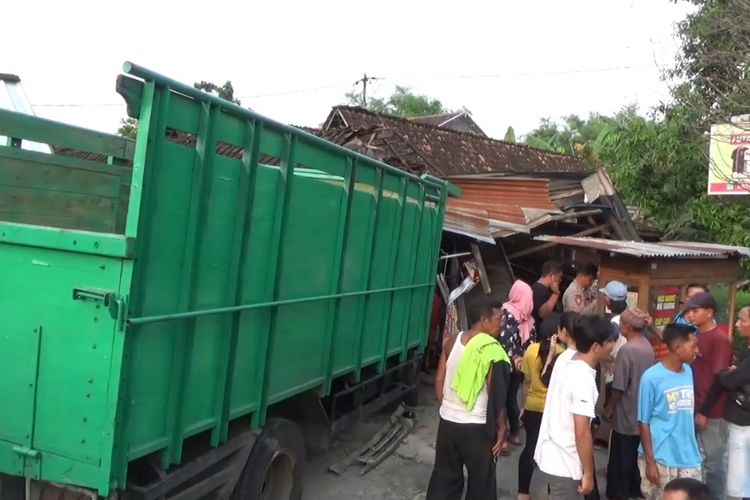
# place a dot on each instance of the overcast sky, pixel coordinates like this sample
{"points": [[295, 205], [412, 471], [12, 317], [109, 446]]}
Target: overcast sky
{"points": [[510, 63]]}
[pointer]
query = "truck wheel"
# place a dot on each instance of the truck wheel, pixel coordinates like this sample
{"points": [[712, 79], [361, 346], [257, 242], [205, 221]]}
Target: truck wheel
{"points": [[275, 466]]}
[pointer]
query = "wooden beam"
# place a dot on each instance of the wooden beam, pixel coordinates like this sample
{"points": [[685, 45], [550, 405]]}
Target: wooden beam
{"points": [[545, 246], [483, 279]]}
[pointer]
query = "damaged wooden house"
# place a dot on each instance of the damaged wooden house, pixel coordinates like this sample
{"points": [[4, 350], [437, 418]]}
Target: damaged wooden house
{"points": [[510, 192]]}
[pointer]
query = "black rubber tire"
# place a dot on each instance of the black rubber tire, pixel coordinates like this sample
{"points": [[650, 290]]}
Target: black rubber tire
{"points": [[274, 470]]}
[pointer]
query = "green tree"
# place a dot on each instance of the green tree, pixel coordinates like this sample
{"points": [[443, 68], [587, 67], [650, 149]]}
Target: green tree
{"points": [[661, 163], [510, 135], [713, 66], [403, 102], [225, 91], [129, 126], [574, 136]]}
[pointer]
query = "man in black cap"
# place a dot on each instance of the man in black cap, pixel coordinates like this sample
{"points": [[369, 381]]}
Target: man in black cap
{"points": [[714, 356]]}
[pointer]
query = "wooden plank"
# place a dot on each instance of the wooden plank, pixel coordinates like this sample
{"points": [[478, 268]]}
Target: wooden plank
{"points": [[544, 246], [732, 307], [21, 173], [43, 207], [45, 201], [8, 153], [57, 221], [699, 270], [69, 241], [32, 128]]}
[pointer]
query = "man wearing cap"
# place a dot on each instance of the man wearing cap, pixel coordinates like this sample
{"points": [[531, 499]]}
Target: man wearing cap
{"points": [[577, 297], [615, 291], [634, 358], [615, 295], [714, 356], [690, 290]]}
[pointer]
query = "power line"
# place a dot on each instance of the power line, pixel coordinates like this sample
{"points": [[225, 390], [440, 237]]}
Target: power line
{"points": [[297, 91], [270, 94], [550, 73], [367, 79]]}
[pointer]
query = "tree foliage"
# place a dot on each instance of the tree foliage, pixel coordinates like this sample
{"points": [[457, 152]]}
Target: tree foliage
{"points": [[712, 74], [129, 126], [659, 162], [658, 165], [510, 135], [403, 102], [575, 135], [225, 91]]}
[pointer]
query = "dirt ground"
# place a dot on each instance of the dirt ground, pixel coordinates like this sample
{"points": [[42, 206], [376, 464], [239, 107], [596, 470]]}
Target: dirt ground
{"points": [[403, 475]]}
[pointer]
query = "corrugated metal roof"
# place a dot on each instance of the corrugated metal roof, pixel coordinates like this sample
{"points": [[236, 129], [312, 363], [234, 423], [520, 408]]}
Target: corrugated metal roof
{"points": [[500, 205], [492, 208], [670, 249]]}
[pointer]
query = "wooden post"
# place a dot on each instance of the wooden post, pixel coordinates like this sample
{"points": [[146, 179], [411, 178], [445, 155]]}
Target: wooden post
{"points": [[732, 308]]}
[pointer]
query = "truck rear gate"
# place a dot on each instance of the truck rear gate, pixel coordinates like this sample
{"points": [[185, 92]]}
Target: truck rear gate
{"points": [[221, 264]]}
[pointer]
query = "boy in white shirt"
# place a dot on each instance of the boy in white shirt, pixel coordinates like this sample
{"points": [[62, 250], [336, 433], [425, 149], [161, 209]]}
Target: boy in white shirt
{"points": [[565, 450]]}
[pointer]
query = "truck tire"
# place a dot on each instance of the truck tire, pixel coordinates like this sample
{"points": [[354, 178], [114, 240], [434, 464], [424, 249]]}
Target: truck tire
{"points": [[274, 470]]}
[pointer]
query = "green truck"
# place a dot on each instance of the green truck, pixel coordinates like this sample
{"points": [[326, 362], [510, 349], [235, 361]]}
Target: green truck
{"points": [[177, 309]]}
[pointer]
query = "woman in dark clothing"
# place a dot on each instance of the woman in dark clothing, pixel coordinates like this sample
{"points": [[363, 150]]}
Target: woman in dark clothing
{"points": [[515, 336], [736, 380]]}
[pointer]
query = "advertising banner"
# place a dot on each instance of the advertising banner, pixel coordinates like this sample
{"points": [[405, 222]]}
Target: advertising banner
{"points": [[729, 163]]}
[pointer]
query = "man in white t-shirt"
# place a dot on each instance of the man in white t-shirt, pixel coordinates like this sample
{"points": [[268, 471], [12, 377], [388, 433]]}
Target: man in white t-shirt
{"points": [[565, 450]]}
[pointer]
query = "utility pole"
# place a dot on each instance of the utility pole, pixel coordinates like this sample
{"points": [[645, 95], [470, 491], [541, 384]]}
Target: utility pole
{"points": [[364, 81]]}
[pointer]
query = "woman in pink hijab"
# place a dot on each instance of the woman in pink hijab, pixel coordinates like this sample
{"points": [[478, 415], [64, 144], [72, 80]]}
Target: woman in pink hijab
{"points": [[516, 335]]}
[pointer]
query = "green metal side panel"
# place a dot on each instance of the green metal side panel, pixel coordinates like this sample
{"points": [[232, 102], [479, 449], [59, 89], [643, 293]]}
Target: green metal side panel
{"points": [[254, 262], [305, 270], [56, 357], [381, 276], [354, 272], [63, 255]]}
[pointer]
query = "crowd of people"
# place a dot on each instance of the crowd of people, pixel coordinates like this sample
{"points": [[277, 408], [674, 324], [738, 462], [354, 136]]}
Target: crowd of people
{"points": [[679, 415]]}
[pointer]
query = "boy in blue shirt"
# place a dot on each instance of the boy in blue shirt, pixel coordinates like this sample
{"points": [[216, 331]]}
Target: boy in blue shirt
{"points": [[666, 408]]}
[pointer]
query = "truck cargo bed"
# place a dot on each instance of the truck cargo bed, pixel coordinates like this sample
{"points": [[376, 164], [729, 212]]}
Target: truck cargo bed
{"points": [[218, 265]]}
